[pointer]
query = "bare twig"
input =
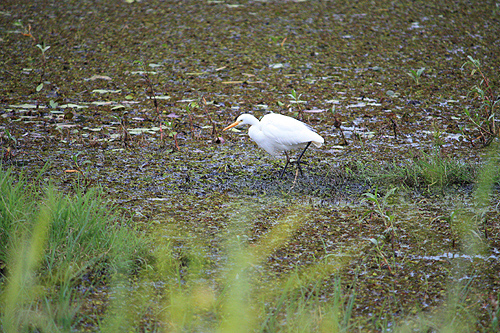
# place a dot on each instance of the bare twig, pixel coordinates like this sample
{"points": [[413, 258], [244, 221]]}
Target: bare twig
{"points": [[152, 96], [214, 128], [27, 33], [337, 124]]}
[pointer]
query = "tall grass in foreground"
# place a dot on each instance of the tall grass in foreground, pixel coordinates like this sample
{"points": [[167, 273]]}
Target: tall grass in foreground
{"points": [[54, 240], [49, 242]]}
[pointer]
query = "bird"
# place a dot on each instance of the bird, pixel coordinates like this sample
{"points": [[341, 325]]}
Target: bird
{"points": [[276, 133]]}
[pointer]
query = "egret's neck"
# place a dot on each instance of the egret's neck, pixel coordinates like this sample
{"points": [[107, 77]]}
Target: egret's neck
{"points": [[251, 120]]}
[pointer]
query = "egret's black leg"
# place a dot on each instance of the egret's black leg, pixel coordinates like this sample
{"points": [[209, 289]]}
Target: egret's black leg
{"points": [[287, 161], [298, 160]]}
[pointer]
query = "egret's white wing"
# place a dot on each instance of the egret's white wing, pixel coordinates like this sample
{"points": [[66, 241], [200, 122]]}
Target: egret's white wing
{"points": [[288, 131]]}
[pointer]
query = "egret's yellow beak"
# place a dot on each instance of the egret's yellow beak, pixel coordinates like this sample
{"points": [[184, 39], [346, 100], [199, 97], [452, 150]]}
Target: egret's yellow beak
{"points": [[236, 123]]}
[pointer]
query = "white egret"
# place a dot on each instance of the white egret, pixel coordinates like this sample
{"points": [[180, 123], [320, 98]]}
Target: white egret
{"points": [[277, 133]]}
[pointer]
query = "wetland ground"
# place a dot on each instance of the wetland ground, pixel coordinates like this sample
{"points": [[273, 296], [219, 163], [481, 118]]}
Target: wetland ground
{"points": [[131, 97]]}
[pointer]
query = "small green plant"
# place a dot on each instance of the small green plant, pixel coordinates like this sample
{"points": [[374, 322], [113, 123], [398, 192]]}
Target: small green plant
{"points": [[416, 74], [53, 104], [152, 95], [43, 48], [78, 170], [296, 100], [169, 127], [278, 40], [378, 246], [379, 206], [483, 119], [172, 132], [215, 132], [9, 136]]}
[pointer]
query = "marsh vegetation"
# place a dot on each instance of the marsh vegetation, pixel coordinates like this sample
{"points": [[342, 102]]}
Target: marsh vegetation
{"points": [[125, 207]]}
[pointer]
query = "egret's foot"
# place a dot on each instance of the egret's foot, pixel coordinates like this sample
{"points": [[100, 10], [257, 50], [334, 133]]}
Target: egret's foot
{"points": [[298, 166]]}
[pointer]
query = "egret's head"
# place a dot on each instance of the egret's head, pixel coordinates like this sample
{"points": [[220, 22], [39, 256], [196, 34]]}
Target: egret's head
{"points": [[242, 119]]}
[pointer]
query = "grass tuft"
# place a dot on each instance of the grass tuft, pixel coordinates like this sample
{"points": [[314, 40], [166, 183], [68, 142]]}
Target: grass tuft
{"points": [[49, 242], [427, 171]]}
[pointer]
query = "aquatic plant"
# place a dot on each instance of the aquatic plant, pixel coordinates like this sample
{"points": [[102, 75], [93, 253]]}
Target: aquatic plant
{"points": [[483, 119], [78, 169], [12, 139], [43, 49], [380, 208], [152, 96], [279, 40], [296, 100], [416, 74], [190, 106]]}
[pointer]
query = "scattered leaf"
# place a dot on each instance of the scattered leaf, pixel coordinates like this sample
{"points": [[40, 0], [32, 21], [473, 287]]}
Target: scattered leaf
{"points": [[26, 106], [315, 111], [232, 82], [71, 105], [105, 91], [333, 101], [61, 126], [101, 103], [53, 104], [99, 77], [143, 72], [136, 131], [97, 129]]}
